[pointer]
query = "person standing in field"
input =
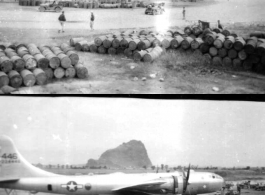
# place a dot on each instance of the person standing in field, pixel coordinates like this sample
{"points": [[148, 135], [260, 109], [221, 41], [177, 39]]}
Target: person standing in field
{"points": [[238, 189], [184, 13], [92, 18], [62, 21], [223, 191], [220, 25]]}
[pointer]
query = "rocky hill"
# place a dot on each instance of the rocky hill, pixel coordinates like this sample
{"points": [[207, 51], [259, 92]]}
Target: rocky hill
{"points": [[131, 154]]}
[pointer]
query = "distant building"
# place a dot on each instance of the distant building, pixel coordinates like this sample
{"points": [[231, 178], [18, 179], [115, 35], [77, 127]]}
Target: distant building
{"points": [[8, 1]]}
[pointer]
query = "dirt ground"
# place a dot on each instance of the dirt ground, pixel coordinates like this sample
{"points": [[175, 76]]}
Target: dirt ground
{"points": [[120, 75]]}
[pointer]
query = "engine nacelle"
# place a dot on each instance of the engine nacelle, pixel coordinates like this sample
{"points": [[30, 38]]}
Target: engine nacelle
{"points": [[179, 183], [174, 185]]}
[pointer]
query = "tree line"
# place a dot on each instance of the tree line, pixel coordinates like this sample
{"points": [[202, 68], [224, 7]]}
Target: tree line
{"points": [[161, 167]]}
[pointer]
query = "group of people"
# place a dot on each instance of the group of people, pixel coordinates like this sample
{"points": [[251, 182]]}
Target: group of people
{"points": [[202, 24], [62, 21]]}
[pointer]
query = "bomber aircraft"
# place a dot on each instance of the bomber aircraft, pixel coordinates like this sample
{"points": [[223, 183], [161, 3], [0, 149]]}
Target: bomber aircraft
{"points": [[18, 174]]}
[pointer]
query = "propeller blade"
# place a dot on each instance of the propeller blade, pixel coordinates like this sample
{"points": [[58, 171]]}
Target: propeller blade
{"points": [[186, 180], [188, 174]]}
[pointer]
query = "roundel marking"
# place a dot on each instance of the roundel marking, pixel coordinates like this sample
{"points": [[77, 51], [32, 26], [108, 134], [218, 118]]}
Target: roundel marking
{"points": [[72, 186], [88, 186]]}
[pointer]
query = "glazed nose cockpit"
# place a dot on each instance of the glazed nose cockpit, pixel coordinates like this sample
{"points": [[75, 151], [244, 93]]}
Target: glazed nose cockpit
{"points": [[217, 179]]}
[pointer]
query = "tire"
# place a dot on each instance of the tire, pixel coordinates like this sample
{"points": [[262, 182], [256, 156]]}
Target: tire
{"points": [[57, 9], [42, 9]]}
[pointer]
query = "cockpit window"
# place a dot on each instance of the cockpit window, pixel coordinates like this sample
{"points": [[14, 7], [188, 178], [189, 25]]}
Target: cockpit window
{"points": [[216, 176]]}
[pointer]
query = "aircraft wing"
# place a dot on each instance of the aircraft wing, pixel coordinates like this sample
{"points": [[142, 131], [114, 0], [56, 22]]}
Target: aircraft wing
{"points": [[139, 185], [8, 179], [132, 192]]}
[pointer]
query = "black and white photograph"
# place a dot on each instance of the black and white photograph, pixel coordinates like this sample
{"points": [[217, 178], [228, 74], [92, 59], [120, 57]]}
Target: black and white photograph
{"points": [[132, 46], [110, 146]]}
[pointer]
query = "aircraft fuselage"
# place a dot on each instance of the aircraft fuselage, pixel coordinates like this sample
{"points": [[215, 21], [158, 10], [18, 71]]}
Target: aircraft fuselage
{"points": [[199, 183]]}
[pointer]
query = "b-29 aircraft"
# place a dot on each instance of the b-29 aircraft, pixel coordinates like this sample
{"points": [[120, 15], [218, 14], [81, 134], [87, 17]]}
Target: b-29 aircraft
{"points": [[18, 174]]}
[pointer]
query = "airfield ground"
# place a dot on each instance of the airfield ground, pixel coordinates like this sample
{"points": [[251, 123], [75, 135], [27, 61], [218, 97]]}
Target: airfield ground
{"points": [[180, 72]]}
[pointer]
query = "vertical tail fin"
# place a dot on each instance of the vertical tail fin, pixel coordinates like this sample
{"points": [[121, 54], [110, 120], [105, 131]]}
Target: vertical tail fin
{"points": [[13, 166]]}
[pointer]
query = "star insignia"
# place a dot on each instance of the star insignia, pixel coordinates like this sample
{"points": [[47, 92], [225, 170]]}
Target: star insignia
{"points": [[72, 186]]}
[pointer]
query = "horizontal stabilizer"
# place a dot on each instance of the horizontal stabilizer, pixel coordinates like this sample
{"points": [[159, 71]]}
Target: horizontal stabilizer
{"points": [[143, 184]]}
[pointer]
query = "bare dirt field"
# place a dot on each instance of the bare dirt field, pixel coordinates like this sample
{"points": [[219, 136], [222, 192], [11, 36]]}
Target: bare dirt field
{"points": [[175, 72]]}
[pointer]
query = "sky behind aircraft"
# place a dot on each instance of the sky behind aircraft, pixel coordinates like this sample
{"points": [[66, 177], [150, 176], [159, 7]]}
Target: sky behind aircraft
{"points": [[176, 132]]}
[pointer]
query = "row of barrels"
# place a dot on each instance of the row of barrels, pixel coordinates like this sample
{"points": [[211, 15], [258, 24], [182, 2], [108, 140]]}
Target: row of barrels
{"points": [[239, 53], [108, 5], [29, 2], [197, 31], [222, 47], [95, 4], [131, 44], [86, 5], [81, 4], [28, 65], [29, 56], [37, 76], [230, 50], [100, 4]]}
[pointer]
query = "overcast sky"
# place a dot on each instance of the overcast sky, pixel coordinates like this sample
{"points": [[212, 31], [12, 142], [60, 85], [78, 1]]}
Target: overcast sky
{"points": [[175, 132]]}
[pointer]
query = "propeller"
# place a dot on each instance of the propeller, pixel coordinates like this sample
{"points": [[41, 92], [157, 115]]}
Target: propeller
{"points": [[186, 180]]}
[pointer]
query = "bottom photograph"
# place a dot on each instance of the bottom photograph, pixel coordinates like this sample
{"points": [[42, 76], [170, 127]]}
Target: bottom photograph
{"points": [[108, 146]]}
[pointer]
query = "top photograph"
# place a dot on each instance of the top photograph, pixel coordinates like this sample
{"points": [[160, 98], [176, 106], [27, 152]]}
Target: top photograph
{"points": [[132, 47]]}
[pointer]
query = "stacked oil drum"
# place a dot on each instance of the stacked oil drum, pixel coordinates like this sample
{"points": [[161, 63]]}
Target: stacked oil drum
{"points": [[28, 65], [30, 2], [141, 46], [219, 47], [223, 48], [108, 5]]}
